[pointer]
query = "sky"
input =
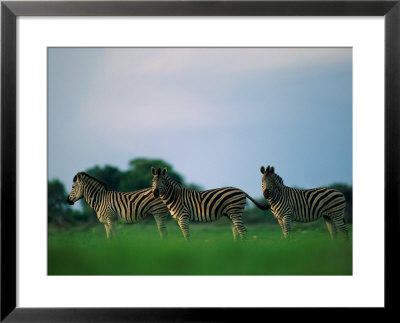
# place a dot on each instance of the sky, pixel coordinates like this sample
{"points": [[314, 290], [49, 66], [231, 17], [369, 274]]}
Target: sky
{"points": [[215, 114]]}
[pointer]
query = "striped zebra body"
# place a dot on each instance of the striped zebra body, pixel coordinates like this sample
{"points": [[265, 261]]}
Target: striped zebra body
{"points": [[204, 206], [201, 206], [290, 204], [113, 206]]}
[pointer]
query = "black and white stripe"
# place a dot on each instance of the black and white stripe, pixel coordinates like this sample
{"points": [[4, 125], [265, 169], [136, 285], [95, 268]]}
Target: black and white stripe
{"points": [[201, 206], [111, 206], [290, 204]]}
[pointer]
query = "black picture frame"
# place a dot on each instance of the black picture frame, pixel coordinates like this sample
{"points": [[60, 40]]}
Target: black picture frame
{"points": [[10, 10]]}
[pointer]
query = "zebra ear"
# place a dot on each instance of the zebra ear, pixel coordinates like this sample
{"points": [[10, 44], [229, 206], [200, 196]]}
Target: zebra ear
{"points": [[158, 171], [153, 171], [272, 169], [267, 170], [164, 171], [262, 169]]}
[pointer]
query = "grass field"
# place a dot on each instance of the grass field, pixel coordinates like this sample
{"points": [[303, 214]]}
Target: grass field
{"points": [[137, 250]]}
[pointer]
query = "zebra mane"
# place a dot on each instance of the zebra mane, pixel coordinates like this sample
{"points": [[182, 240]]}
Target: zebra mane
{"points": [[91, 177], [277, 178], [173, 181]]}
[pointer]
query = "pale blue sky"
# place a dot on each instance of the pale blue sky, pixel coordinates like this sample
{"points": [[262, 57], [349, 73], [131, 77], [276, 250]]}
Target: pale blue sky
{"points": [[215, 114]]}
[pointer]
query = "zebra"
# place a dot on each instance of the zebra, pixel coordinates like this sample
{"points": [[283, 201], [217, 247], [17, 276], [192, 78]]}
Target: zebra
{"points": [[290, 204], [201, 206], [111, 206]]}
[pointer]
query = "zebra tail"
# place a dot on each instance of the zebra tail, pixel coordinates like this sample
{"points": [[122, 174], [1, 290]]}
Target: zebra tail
{"points": [[260, 206]]}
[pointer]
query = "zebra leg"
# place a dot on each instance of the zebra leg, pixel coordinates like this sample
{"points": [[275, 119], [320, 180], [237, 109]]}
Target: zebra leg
{"points": [[340, 225], [331, 227], [110, 229], [161, 225], [286, 226], [234, 232], [281, 225], [238, 225], [183, 222], [337, 222]]}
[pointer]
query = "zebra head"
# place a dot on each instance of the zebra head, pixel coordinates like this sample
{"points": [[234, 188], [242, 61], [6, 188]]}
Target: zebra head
{"points": [[159, 181], [77, 189], [268, 181]]}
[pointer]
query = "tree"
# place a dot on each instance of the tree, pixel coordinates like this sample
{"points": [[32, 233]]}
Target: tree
{"points": [[110, 175], [59, 212], [139, 174], [56, 201]]}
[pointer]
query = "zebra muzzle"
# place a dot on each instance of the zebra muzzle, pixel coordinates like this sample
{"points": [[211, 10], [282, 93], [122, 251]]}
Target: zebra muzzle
{"points": [[266, 194], [156, 193], [69, 201]]}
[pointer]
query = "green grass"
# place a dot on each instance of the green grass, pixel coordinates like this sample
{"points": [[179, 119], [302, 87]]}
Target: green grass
{"points": [[137, 250]]}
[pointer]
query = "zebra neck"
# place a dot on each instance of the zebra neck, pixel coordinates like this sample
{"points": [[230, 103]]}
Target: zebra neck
{"points": [[171, 194], [93, 196], [275, 195]]}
